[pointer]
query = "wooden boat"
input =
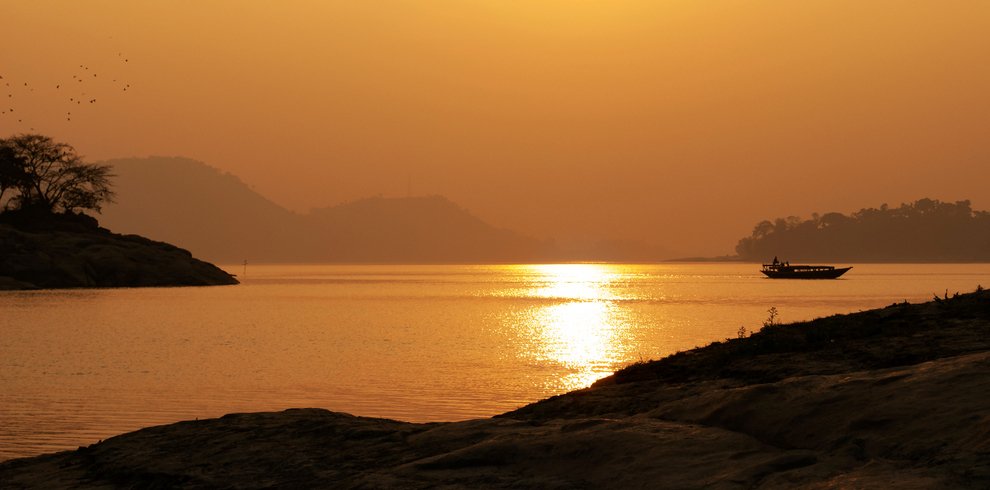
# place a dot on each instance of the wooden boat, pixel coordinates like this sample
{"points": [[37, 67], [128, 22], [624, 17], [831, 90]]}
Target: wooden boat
{"points": [[787, 271]]}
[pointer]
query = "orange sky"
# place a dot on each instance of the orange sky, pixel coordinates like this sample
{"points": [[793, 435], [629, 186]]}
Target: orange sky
{"points": [[676, 122]]}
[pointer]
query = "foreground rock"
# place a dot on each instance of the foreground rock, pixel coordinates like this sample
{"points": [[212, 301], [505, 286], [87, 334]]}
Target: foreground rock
{"points": [[76, 253], [896, 397]]}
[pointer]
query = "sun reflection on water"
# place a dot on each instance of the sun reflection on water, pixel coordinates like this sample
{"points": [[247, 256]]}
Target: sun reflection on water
{"points": [[573, 281], [582, 332]]}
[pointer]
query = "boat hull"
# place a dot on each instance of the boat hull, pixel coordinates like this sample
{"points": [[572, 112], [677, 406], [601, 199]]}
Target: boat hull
{"points": [[804, 274]]}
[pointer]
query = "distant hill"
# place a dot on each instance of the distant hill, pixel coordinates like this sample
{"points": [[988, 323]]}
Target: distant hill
{"points": [[220, 218], [188, 203], [415, 229], [926, 230]]}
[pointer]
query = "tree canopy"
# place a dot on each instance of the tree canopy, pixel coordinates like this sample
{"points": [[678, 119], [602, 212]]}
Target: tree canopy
{"points": [[41, 174], [926, 230]]}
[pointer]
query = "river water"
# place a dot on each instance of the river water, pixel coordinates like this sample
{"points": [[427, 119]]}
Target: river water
{"points": [[416, 343]]}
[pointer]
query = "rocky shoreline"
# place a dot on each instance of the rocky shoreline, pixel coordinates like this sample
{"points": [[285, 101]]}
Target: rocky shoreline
{"points": [[77, 253], [888, 398]]}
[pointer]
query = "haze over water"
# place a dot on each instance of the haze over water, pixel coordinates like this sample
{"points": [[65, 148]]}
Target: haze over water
{"points": [[416, 343]]}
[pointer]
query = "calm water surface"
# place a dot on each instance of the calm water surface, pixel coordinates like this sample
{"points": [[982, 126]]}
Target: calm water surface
{"points": [[417, 343]]}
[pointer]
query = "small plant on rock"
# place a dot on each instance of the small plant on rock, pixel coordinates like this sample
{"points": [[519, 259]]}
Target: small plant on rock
{"points": [[773, 318]]}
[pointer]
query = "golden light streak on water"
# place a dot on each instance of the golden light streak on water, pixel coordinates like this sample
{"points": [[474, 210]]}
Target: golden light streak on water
{"points": [[573, 281], [582, 337], [583, 334]]}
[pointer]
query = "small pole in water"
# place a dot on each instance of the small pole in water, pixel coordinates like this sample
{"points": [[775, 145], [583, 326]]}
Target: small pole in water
{"points": [[245, 268]]}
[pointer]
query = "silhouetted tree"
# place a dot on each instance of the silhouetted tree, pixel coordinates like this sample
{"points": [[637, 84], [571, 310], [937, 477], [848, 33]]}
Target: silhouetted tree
{"points": [[49, 176], [12, 175]]}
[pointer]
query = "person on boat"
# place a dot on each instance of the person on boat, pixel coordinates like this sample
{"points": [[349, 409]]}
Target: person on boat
{"points": [[775, 261]]}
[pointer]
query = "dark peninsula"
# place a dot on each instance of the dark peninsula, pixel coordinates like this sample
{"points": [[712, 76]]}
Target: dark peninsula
{"points": [[887, 398], [73, 251]]}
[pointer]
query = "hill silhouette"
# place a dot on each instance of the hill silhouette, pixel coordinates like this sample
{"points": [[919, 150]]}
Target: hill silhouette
{"points": [[211, 213], [415, 229], [926, 230], [217, 216]]}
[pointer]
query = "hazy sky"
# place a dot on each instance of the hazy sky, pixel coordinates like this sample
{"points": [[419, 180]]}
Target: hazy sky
{"points": [[675, 122]]}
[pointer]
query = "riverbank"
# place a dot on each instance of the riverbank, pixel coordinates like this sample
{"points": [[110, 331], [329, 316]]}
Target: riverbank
{"points": [[887, 397]]}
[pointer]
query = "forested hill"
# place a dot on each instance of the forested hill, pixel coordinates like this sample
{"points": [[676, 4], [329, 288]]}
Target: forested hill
{"points": [[926, 230]]}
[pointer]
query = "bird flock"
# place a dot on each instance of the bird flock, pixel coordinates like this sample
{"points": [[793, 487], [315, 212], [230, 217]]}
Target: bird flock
{"points": [[20, 99]]}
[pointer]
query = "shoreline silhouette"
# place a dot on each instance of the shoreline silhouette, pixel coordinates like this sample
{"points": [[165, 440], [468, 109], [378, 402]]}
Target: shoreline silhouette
{"points": [[88, 256]]}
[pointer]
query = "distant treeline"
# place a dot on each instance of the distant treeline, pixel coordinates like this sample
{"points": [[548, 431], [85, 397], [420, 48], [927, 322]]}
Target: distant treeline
{"points": [[926, 230]]}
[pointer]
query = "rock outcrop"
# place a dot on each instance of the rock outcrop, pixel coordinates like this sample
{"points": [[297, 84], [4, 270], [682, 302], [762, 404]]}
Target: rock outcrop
{"points": [[74, 252]]}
